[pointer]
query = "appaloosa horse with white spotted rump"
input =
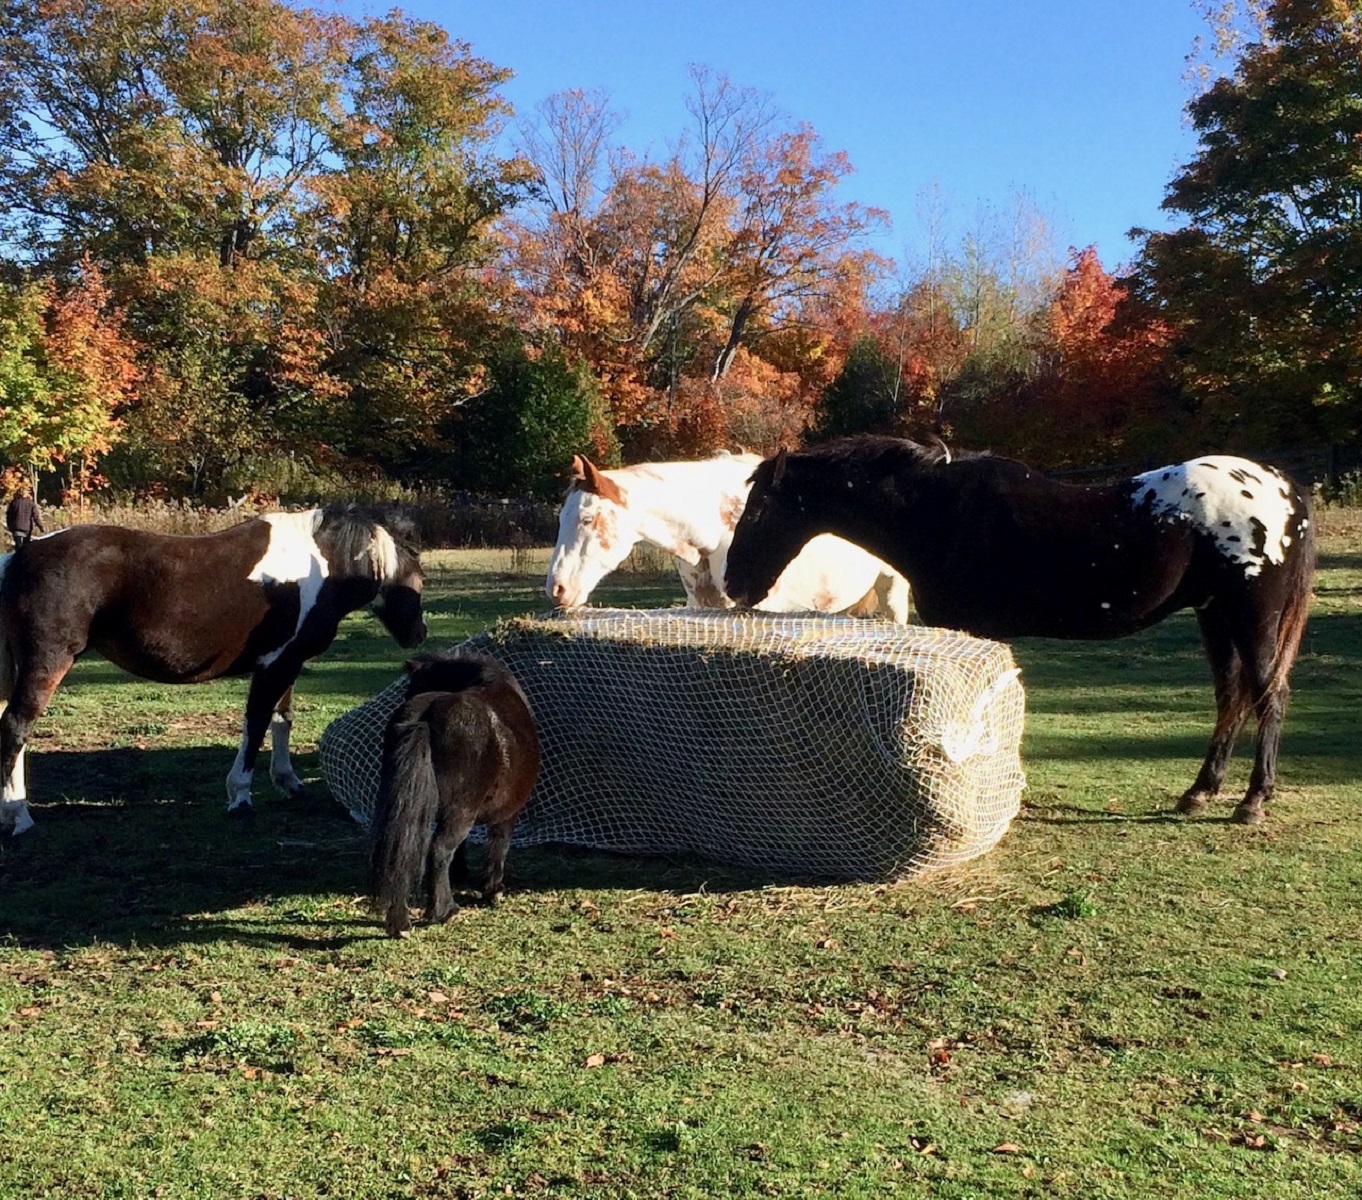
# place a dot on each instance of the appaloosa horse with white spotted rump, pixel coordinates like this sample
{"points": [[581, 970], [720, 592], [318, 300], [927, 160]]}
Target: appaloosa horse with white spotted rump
{"points": [[258, 599], [996, 549]]}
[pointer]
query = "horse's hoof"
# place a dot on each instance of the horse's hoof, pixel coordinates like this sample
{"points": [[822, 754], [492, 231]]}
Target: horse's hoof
{"points": [[1249, 814], [15, 818], [1193, 803], [242, 812], [492, 899], [442, 916]]}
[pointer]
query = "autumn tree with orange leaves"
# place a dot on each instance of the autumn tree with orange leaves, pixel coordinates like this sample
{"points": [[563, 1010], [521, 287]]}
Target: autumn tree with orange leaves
{"points": [[695, 286], [292, 207], [66, 375]]}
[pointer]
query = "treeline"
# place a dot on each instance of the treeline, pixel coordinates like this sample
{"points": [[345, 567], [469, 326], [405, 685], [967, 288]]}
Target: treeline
{"points": [[256, 247]]}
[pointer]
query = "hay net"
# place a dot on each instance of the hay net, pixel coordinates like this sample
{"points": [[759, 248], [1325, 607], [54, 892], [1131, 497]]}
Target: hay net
{"points": [[806, 745]]}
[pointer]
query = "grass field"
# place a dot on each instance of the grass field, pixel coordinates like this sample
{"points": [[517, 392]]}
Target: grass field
{"points": [[1115, 1002]]}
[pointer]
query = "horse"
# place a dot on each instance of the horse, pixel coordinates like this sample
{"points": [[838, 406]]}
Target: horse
{"points": [[462, 750], [689, 509], [258, 599], [994, 548]]}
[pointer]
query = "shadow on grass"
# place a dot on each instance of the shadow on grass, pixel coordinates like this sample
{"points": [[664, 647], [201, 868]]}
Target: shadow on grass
{"points": [[136, 847]]}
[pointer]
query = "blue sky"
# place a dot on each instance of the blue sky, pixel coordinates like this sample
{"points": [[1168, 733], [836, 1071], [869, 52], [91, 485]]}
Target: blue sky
{"points": [[1077, 103]]}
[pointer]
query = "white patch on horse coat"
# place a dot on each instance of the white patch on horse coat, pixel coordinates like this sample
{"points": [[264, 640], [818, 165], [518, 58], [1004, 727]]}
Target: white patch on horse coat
{"points": [[1243, 506], [293, 556]]}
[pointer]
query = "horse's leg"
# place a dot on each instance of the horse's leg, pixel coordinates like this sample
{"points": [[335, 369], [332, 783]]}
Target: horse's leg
{"points": [[268, 686], [1232, 703], [281, 765], [1260, 656], [451, 832], [458, 869], [32, 691], [498, 844], [894, 593]]}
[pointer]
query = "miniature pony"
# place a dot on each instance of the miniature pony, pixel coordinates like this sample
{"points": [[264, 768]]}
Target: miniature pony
{"points": [[462, 750]]}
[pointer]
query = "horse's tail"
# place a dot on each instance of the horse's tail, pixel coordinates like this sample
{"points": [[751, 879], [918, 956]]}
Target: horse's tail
{"points": [[1297, 608], [408, 801]]}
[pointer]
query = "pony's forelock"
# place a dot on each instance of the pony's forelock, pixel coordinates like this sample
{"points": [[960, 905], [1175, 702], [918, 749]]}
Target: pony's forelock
{"points": [[378, 543]]}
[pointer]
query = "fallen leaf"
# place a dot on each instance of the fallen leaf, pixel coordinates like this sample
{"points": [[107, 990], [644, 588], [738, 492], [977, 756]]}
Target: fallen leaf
{"points": [[1006, 1148], [594, 1060]]}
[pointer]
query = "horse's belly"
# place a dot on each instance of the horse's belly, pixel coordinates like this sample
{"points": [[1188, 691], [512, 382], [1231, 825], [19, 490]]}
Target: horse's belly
{"points": [[170, 664]]}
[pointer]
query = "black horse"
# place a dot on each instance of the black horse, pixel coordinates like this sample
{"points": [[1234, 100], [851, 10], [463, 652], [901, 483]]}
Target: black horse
{"points": [[462, 750], [993, 548], [258, 599]]}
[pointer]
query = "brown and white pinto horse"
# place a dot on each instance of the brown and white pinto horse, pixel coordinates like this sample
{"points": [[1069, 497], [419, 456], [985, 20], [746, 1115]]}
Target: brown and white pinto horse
{"points": [[994, 548], [258, 599]]}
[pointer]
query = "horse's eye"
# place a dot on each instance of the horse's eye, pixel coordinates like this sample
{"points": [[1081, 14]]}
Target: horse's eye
{"points": [[588, 521]]}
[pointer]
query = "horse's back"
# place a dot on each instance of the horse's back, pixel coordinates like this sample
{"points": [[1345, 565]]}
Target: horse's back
{"points": [[474, 700]]}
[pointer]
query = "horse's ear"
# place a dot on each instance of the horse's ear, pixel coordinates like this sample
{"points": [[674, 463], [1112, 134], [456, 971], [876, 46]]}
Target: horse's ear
{"points": [[594, 480], [778, 471], [579, 466], [945, 449]]}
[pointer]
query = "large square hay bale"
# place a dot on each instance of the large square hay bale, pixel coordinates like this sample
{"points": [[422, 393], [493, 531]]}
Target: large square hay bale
{"points": [[811, 746]]}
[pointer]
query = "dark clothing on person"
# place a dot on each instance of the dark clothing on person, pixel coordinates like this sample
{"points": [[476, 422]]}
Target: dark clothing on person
{"points": [[22, 518]]}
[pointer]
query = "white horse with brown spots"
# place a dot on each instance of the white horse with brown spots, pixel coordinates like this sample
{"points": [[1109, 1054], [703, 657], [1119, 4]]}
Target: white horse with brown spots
{"points": [[689, 509]]}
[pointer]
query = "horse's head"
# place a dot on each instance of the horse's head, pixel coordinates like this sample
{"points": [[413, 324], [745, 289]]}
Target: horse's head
{"points": [[398, 603], [771, 531], [380, 545], [398, 606], [596, 531]]}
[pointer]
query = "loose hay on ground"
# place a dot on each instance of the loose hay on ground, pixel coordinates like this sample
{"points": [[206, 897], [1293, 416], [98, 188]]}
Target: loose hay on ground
{"points": [[814, 746]]}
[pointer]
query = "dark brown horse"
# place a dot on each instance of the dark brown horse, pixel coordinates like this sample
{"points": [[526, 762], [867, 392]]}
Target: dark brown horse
{"points": [[463, 750], [258, 599], [993, 548]]}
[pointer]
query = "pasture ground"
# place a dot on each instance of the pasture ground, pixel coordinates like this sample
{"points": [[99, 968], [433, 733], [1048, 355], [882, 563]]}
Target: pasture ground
{"points": [[1113, 1003]]}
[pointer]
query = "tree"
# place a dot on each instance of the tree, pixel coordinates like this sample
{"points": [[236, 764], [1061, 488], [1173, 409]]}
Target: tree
{"points": [[702, 288], [24, 390], [92, 372], [1262, 287], [864, 398], [293, 208], [66, 370], [1100, 392], [536, 411]]}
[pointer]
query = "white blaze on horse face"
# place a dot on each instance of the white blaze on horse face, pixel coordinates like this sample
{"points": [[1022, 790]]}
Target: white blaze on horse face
{"points": [[1244, 506], [595, 535], [292, 556]]}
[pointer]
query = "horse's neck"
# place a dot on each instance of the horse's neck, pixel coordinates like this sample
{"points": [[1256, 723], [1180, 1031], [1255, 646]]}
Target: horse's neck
{"points": [[683, 509], [872, 518]]}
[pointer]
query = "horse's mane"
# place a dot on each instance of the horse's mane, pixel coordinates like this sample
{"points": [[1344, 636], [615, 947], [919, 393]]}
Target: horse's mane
{"points": [[377, 540], [868, 450], [455, 671]]}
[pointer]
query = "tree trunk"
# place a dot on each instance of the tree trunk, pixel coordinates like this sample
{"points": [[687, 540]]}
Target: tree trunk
{"points": [[735, 331]]}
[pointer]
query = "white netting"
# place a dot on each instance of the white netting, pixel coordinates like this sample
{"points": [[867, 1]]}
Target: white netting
{"points": [[821, 746]]}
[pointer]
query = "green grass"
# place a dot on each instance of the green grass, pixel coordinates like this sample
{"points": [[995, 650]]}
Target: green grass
{"points": [[1115, 1002]]}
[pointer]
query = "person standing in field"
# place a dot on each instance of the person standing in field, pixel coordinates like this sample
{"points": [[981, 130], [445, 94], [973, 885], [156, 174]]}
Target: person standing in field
{"points": [[22, 516]]}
